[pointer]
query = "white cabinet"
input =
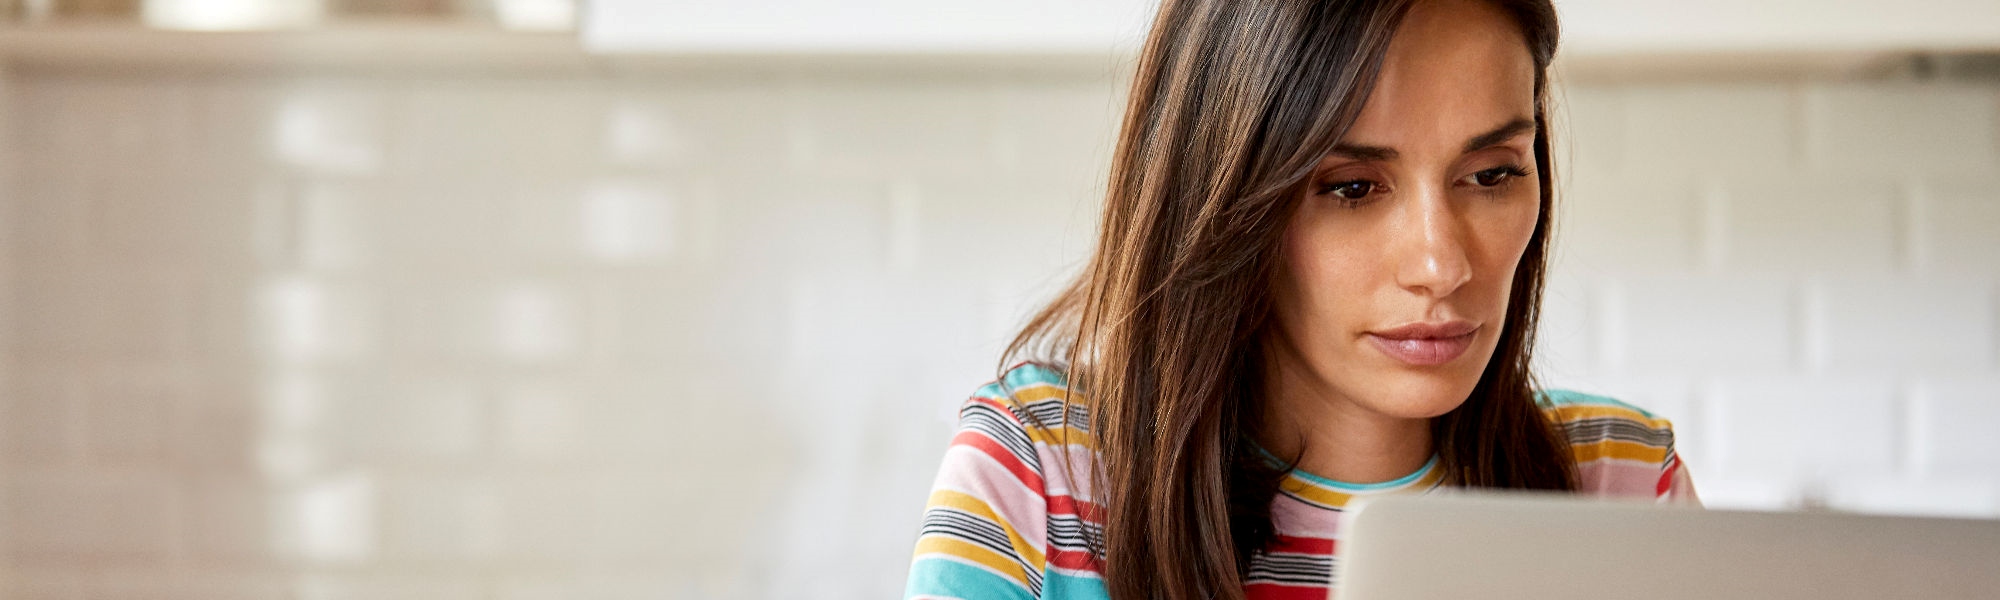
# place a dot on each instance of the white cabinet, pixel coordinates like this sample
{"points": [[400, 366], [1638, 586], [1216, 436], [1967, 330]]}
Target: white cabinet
{"points": [[1592, 27], [1780, 26], [865, 26]]}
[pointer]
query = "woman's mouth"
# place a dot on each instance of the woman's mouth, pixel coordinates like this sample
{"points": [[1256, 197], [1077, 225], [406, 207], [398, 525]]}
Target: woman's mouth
{"points": [[1425, 344]]}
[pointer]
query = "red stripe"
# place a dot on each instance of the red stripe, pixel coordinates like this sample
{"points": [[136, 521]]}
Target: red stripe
{"points": [[1667, 476], [1277, 591], [1065, 505], [1302, 545], [983, 443], [1074, 560]]}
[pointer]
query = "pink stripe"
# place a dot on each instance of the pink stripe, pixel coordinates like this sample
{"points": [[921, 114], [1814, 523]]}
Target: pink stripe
{"points": [[972, 471], [1293, 517], [1619, 478], [985, 443], [1059, 481]]}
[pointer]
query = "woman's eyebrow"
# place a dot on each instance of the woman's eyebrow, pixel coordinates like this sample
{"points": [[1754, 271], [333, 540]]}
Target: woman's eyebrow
{"points": [[1499, 134], [1477, 143], [1363, 153]]}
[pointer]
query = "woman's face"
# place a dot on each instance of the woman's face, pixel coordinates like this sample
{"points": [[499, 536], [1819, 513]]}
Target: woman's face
{"points": [[1400, 259]]}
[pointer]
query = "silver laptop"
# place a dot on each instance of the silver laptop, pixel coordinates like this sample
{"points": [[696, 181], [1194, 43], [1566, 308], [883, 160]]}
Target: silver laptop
{"points": [[1555, 548]]}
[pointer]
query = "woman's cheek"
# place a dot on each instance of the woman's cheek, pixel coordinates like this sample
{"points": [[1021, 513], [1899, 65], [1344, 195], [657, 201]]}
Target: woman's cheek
{"points": [[1511, 226], [1321, 273]]}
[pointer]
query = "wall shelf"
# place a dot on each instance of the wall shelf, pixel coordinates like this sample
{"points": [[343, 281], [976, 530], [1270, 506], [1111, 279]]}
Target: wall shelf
{"points": [[452, 47]]}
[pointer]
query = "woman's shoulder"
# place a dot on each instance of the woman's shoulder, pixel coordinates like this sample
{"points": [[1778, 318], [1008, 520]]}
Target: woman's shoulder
{"points": [[1004, 516], [1036, 396], [1616, 427], [1570, 403], [1620, 449]]}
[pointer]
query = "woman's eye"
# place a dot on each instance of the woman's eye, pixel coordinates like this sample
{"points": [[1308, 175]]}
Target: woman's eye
{"points": [[1351, 190], [1496, 176]]}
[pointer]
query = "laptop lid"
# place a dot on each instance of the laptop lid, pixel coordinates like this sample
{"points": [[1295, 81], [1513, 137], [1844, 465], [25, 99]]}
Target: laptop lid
{"points": [[1483, 545]]}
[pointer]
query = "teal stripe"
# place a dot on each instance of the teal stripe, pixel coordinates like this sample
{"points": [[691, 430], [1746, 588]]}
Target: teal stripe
{"points": [[1058, 586], [1557, 398], [1031, 374], [931, 576], [1345, 486], [1026, 375]]}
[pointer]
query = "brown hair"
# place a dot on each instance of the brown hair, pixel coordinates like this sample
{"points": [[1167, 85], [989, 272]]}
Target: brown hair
{"points": [[1233, 104]]}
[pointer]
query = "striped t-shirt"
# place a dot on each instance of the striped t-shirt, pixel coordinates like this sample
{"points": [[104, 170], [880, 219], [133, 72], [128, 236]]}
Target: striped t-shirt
{"points": [[1004, 522]]}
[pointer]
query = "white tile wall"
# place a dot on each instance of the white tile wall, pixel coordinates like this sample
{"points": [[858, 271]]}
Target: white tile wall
{"points": [[696, 335], [1678, 124], [1802, 275], [1947, 434], [1904, 324], [1890, 128], [1810, 224], [1952, 225], [1698, 323]]}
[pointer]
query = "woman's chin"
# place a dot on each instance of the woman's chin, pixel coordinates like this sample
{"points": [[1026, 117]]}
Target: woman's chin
{"points": [[1419, 395]]}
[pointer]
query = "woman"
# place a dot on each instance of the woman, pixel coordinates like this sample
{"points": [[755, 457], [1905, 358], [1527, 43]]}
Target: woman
{"points": [[1317, 278]]}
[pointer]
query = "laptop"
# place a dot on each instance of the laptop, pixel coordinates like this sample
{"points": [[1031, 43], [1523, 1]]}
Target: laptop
{"points": [[1508, 546]]}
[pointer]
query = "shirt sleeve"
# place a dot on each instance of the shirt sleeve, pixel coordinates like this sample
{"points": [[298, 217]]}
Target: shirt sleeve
{"points": [[1621, 450], [1676, 485], [984, 534]]}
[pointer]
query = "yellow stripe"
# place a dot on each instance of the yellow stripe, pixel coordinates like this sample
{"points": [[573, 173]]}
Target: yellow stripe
{"points": [[1057, 436], [1330, 498], [1315, 494], [1578, 412], [976, 506], [1054, 436], [954, 547], [1619, 449]]}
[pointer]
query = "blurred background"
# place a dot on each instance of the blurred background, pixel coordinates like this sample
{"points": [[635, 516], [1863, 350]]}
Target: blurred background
{"points": [[522, 299]]}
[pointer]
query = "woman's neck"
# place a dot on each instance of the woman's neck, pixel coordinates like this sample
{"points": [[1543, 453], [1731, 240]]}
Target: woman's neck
{"points": [[1341, 439]]}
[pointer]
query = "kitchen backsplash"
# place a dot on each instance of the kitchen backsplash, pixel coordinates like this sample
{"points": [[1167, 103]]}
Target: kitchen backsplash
{"points": [[702, 334]]}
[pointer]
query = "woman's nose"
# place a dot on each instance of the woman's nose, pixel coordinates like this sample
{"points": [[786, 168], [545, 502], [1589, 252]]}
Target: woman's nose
{"points": [[1432, 259]]}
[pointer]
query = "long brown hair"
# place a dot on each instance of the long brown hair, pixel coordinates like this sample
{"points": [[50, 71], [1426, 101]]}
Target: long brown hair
{"points": [[1233, 104]]}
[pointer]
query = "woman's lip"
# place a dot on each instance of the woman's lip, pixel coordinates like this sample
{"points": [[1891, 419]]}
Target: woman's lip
{"points": [[1420, 331], [1422, 352]]}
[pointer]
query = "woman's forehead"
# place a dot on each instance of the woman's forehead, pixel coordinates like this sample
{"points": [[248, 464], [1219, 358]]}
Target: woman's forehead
{"points": [[1455, 69]]}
